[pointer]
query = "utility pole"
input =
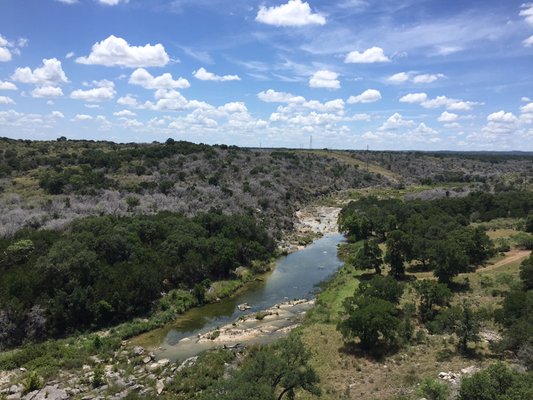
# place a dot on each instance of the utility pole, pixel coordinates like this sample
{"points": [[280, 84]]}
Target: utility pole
{"points": [[367, 158]]}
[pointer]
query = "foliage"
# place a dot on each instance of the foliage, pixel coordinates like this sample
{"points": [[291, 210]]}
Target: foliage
{"points": [[369, 256], [99, 376], [432, 389], [516, 315], [526, 273], [434, 234], [396, 254], [529, 223], [497, 382], [272, 372], [32, 382], [206, 371], [276, 371], [383, 287], [371, 320], [105, 270], [467, 327], [432, 296]]}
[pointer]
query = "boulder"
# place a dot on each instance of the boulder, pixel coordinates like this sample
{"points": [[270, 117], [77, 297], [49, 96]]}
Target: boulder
{"points": [[159, 386]]}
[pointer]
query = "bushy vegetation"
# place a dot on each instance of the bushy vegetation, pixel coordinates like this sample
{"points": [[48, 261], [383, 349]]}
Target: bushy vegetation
{"points": [[433, 235], [278, 371], [105, 270], [516, 316], [49, 184], [372, 314], [498, 382]]}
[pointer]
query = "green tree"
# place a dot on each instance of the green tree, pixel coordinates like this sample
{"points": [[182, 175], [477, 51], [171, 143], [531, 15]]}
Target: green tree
{"points": [[397, 251], [272, 372], [529, 223], [431, 295], [369, 256], [526, 273], [383, 287], [467, 327], [371, 320], [355, 225], [19, 251], [448, 260]]}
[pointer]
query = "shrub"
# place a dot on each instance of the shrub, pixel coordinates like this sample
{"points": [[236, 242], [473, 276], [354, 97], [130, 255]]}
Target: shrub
{"points": [[434, 390], [99, 376], [32, 382], [497, 382]]}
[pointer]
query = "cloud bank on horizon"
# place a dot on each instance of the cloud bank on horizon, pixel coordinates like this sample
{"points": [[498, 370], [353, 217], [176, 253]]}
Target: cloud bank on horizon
{"points": [[396, 75]]}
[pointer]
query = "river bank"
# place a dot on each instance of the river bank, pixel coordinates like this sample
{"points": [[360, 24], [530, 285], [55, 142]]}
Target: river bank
{"points": [[73, 364]]}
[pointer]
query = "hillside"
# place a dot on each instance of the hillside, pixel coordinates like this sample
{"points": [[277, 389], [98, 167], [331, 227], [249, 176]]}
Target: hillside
{"points": [[49, 184]]}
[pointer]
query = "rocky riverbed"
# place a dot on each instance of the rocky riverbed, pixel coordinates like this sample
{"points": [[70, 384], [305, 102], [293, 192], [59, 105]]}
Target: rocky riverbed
{"points": [[280, 319], [312, 222], [130, 370]]}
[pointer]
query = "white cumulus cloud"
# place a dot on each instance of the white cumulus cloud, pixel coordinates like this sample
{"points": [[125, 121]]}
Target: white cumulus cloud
{"points": [[5, 54], [368, 96], [527, 13], [414, 98], [294, 13], [502, 117], [7, 86], [47, 92], [143, 78], [325, 79], [369, 56], [112, 2], [272, 96], [528, 108], [447, 117], [104, 90], [6, 100], [427, 78], [400, 77], [204, 75], [124, 113], [57, 114], [115, 51], [51, 73], [528, 42], [82, 117], [439, 101], [395, 121]]}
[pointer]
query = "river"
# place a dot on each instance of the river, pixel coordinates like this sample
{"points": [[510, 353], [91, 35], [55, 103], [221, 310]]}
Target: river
{"points": [[295, 276]]}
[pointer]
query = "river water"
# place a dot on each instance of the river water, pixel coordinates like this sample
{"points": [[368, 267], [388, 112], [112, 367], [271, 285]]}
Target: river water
{"points": [[296, 276]]}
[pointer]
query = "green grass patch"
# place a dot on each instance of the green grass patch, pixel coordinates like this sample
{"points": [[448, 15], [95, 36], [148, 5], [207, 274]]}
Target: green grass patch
{"points": [[221, 289], [329, 302]]}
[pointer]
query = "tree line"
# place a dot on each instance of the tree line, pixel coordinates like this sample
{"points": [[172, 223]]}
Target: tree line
{"points": [[434, 235], [105, 270]]}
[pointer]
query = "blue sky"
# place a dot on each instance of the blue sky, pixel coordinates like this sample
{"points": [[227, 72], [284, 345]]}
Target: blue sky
{"points": [[390, 74]]}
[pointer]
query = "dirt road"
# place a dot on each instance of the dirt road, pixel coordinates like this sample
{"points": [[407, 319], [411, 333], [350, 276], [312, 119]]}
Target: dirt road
{"points": [[510, 257]]}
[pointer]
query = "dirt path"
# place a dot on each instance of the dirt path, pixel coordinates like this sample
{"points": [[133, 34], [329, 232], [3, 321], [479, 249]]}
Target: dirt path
{"points": [[510, 257]]}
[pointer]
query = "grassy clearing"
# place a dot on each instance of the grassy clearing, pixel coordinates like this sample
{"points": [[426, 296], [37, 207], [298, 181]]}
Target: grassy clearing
{"points": [[501, 233], [348, 159], [345, 196]]}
